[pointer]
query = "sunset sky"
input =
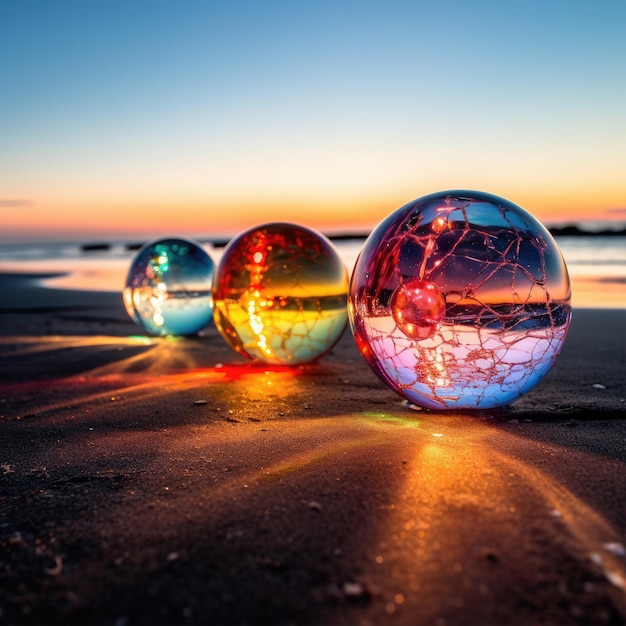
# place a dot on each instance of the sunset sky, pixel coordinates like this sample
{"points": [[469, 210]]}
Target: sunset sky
{"points": [[122, 118]]}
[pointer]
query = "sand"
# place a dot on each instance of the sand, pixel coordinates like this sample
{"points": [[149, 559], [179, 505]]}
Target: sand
{"points": [[156, 481]]}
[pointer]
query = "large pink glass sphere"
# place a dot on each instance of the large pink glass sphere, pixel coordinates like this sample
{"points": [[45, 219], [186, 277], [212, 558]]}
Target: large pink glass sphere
{"points": [[460, 299], [280, 293]]}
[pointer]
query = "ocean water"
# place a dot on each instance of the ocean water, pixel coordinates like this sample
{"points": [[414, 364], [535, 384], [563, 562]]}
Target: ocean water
{"points": [[594, 256], [596, 264]]}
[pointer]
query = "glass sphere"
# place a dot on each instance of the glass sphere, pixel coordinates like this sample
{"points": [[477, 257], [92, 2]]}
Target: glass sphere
{"points": [[280, 294], [168, 287], [460, 299]]}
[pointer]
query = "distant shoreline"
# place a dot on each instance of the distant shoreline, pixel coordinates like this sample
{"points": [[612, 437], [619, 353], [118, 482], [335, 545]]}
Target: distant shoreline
{"points": [[576, 231], [222, 242], [118, 244]]}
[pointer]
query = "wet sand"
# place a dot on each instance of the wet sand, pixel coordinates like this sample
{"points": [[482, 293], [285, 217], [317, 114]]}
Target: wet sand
{"points": [[161, 481]]}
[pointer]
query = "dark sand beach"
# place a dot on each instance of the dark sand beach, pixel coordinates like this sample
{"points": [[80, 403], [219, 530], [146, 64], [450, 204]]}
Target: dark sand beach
{"points": [[169, 481]]}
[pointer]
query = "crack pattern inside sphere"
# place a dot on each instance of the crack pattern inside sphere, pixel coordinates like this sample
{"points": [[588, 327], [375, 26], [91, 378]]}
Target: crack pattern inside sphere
{"points": [[460, 300]]}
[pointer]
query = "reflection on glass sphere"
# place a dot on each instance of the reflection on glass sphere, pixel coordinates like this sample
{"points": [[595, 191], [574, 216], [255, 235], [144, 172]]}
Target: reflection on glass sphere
{"points": [[168, 287], [460, 299], [280, 294]]}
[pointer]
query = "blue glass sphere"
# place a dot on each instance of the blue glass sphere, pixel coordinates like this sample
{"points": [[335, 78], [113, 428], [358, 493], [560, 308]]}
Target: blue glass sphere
{"points": [[460, 299], [168, 287]]}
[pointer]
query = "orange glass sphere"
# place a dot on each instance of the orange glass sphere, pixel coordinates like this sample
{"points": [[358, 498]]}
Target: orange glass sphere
{"points": [[280, 294]]}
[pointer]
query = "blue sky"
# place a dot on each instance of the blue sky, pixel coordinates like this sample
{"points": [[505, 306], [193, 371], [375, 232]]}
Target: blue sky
{"points": [[152, 115]]}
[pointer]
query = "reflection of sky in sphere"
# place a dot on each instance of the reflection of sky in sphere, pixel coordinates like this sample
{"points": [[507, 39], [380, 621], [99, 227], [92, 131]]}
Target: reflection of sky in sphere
{"points": [[506, 293], [168, 287]]}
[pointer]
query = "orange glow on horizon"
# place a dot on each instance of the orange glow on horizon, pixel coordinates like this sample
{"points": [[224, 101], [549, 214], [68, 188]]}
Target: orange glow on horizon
{"points": [[61, 217]]}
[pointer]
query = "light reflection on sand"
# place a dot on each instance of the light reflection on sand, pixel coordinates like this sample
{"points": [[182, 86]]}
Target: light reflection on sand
{"points": [[465, 500], [467, 486]]}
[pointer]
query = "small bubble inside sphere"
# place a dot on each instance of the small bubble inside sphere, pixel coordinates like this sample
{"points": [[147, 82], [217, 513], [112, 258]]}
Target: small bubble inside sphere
{"points": [[280, 293], [168, 287], [460, 300]]}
